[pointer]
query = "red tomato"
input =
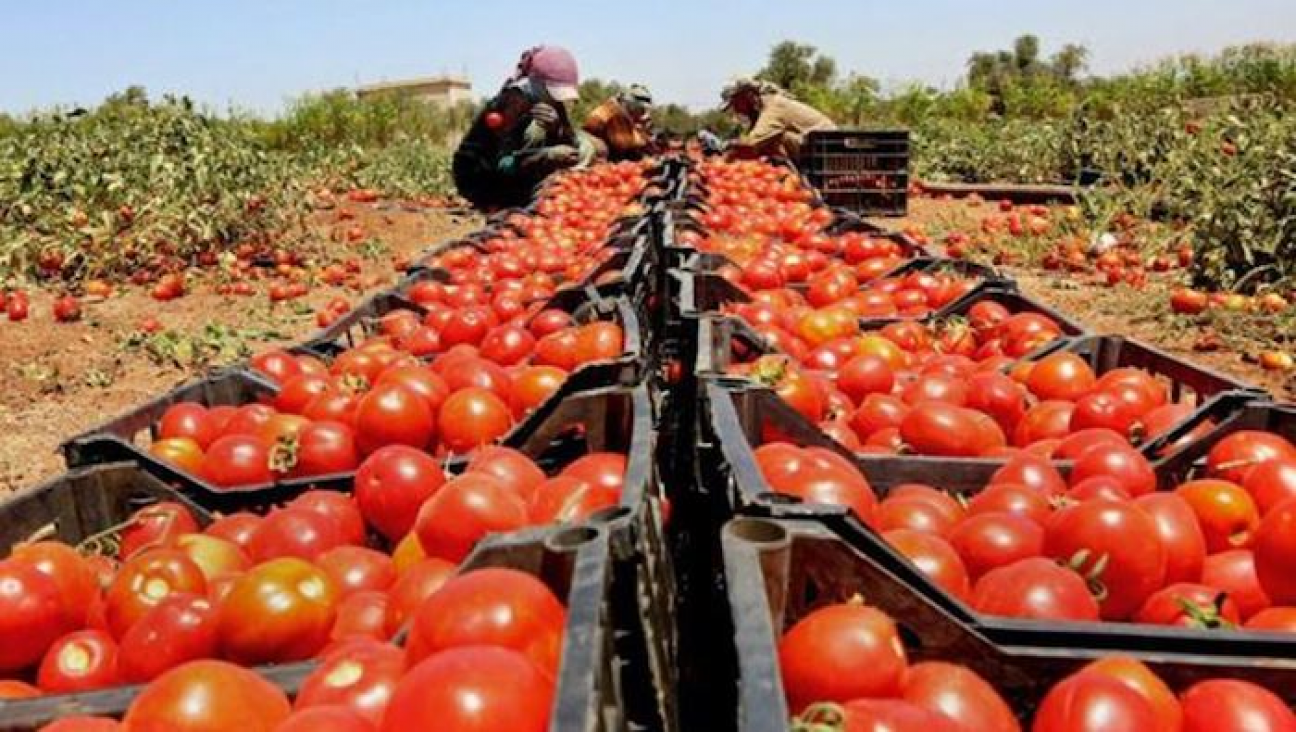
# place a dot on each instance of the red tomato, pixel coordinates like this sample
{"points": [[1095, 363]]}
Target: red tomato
{"points": [[839, 653], [12, 689], [1234, 572], [885, 715], [1035, 588], [510, 466], [934, 557], [935, 428], [915, 513], [495, 607], [1271, 482], [238, 528], [392, 484], [155, 525], [279, 366], [958, 694], [77, 580], [1225, 511], [323, 447], [81, 723], [1280, 619], [279, 611], [301, 390], [998, 396], [187, 419], [360, 675], [1011, 498], [391, 414], [1062, 375], [987, 541], [361, 614], [80, 661], [1094, 702], [1046, 420], [415, 585], [1032, 471], [1140, 678], [216, 557], [208, 696], [1225, 705], [179, 629], [1116, 540], [532, 385], [1233, 456], [1125, 465], [238, 460], [463, 511], [146, 580], [864, 375], [294, 532], [357, 568], [564, 499], [1275, 553], [473, 417], [1180, 534], [339, 508], [472, 689], [1190, 605]]}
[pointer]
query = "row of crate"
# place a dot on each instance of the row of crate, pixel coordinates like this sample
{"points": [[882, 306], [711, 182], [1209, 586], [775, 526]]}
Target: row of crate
{"points": [[612, 571], [753, 561]]}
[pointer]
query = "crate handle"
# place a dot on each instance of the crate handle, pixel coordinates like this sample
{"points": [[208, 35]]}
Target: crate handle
{"points": [[858, 143]]}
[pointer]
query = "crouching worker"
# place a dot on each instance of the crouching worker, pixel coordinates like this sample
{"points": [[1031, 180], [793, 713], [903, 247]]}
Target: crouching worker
{"points": [[622, 125], [524, 134], [778, 124]]}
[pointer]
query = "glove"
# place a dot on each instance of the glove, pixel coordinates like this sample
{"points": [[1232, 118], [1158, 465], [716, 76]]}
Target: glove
{"points": [[545, 116], [586, 150], [561, 155]]}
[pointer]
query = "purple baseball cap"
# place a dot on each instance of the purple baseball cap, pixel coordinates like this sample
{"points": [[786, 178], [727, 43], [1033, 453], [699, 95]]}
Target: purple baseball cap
{"points": [[555, 67]]}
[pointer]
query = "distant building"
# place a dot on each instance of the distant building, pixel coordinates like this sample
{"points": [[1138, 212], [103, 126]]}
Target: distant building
{"points": [[441, 91]]}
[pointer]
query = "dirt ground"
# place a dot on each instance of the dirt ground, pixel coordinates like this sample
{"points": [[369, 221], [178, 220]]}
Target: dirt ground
{"points": [[1119, 310], [57, 380]]}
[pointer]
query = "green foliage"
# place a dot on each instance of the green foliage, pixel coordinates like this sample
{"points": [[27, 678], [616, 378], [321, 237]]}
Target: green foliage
{"points": [[339, 118]]}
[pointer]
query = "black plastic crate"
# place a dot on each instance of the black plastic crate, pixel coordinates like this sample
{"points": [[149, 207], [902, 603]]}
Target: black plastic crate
{"points": [[576, 562], [1210, 425], [864, 171], [777, 571], [1001, 291]]}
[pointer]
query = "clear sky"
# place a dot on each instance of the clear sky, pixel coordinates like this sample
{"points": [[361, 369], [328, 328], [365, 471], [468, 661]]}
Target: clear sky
{"points": [[255, 54]]}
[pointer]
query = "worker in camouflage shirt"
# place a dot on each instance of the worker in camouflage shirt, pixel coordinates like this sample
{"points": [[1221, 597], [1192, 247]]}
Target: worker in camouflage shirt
{"points": [[622, 125], [779, 123]]}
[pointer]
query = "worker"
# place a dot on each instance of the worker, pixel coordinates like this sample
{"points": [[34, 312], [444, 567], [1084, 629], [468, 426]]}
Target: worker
{"points": [[778, 123], [622, 125], [524, 133]]}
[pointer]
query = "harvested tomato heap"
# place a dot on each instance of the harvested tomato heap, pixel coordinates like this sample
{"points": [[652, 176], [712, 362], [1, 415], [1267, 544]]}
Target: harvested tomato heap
{"points": [[387, 474]]}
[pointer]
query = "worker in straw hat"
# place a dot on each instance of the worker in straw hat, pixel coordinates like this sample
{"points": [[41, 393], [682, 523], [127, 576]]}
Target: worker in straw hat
{"points": [[524, 133], [778, 122], [622, 125]]}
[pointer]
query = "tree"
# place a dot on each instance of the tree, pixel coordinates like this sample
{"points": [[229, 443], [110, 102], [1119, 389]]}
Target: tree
{"points": [[1069, 62], [795, 66]]}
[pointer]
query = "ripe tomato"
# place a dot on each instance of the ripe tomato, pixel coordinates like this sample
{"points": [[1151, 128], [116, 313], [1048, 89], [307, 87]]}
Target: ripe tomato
{"points": [[986, 541], [339, 508], [958, 694], [391, 414], [564, 499], [1271, 482], [392, 484], [295, 532], [884, 715], [356, 569], [864, 375], [216, 557], [1035, 588], [1131, 471], [187, 419], [511, 466], [238, 528], [145, 580], [832, 485], [301, 390], [494, 607], [279, 611], [934, 557], [361, 614], [1280, 619], [1275, 553], [998, 396], [1094, 702], [82, 723], [473, 417], [1180, 534], [323, 447], [155, 525], [463, 511], [1032, 471], [934, 428], [279, 366], [13, 689], [179, 629], [238, 460], [1190, 605], [208, 696], [76, 579], [1226, 705], [532, 385], [916, 513], [839, 653], [1234, 572], [1011, 498], [1233, 456], [181, 452], [472, 689], [1062, 375], [1225, 511], [1140, 678], [359, 675], [415, 585], [1046, 420], [1119, 541], [79, 661]]}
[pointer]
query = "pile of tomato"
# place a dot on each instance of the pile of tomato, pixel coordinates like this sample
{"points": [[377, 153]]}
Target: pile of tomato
{"points": [[310, 580]]}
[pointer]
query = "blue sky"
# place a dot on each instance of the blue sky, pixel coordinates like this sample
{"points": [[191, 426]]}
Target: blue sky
{"points": [[256, 54]]}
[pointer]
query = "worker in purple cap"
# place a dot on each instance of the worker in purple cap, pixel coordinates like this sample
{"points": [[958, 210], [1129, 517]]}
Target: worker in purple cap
{"points": [[524, 133]]}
